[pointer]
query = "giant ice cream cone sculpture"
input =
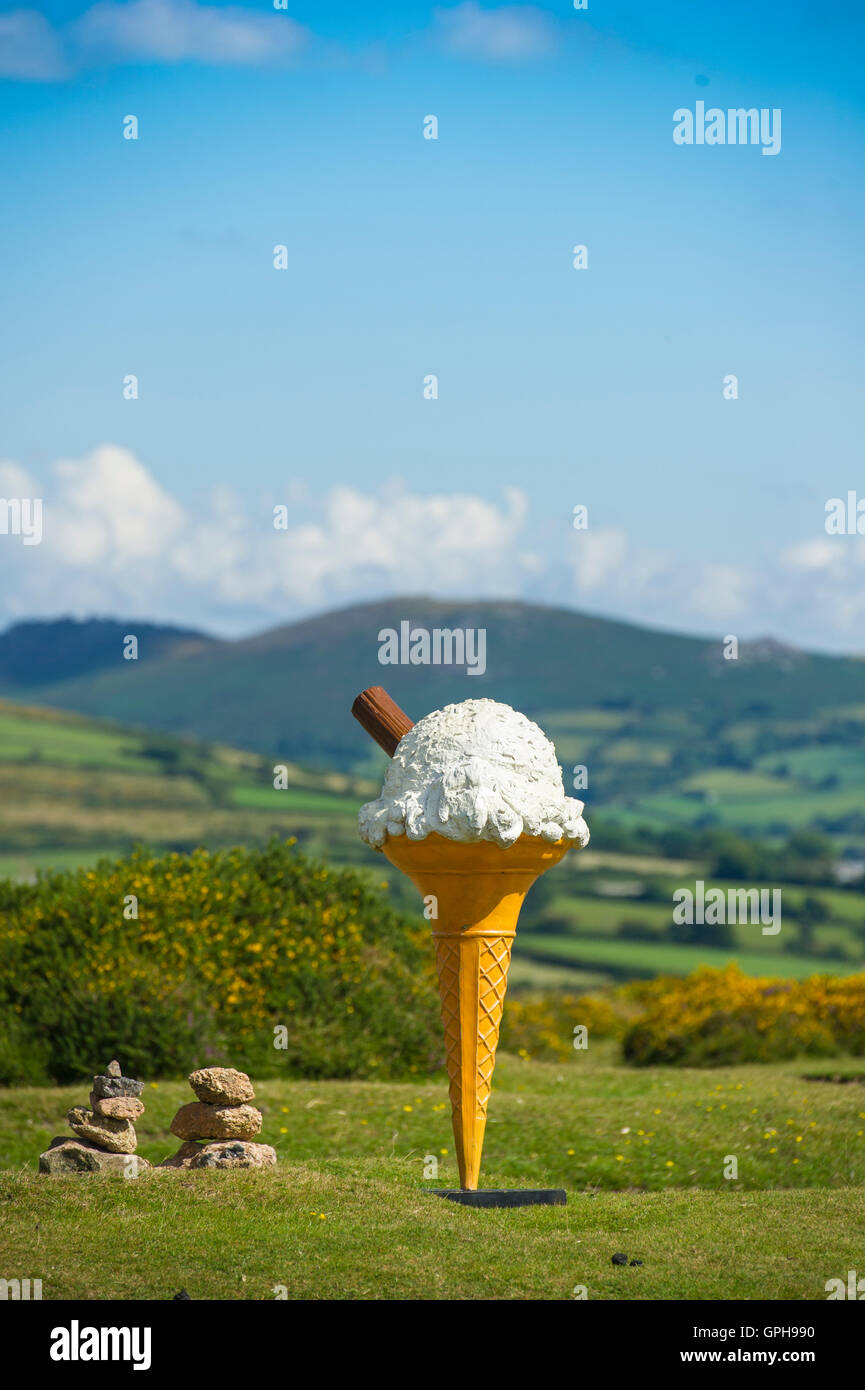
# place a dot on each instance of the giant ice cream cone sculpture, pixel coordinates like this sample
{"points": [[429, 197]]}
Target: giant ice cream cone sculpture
{"points": [[478, 889], [472, 810]]}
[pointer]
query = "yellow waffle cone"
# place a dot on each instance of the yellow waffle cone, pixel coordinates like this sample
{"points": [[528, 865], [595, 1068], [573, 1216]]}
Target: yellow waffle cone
{"points": [[479, 889]]}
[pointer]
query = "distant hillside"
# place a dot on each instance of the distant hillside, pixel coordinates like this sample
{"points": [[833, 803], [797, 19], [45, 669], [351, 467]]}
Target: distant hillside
{"points": [[668, 729], [36, 654]]}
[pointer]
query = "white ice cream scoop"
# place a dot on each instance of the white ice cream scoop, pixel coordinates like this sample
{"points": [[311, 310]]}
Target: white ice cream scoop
{"points": [[478, 770]]}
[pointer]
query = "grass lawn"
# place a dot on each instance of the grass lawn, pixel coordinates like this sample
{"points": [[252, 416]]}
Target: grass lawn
{"points": [[641, 1152]]}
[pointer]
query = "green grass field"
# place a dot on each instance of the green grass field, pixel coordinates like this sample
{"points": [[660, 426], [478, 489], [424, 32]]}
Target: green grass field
{"points": [[348, 1212], [627, 959]]}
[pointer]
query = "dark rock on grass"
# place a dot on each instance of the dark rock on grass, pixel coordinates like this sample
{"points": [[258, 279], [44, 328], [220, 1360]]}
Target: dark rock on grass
{"points": [[108, 1087], [65, 1155], [233, 1153], [236, 1154], [620, 1259]]}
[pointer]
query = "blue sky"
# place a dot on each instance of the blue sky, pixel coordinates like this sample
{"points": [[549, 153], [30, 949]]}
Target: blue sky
{"points": [[409, 257]]}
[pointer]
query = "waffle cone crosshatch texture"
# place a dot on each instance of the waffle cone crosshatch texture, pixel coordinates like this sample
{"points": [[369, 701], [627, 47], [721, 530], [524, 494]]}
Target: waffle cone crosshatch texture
{"points": [[479, 890]]}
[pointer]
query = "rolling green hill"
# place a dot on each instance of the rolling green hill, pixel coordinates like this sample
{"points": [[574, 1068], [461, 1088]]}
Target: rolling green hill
{"points": [[44, 652], [671, 733]]}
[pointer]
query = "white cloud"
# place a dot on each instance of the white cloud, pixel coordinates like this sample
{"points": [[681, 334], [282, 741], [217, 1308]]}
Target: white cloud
{"points": [[161, 31], [30, 49], [608, 567], [510, 33], [721, 592], [108, 511], [605, 561], [15, 481], [825, 577], [823, 554], [113, 32], [115, 541], [401, 542], [175, 31]]}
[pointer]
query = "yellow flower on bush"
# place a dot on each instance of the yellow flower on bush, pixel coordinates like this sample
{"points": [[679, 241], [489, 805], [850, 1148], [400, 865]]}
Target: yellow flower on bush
{"points": [[715, 1017], [228, 946], [708, 1018]]}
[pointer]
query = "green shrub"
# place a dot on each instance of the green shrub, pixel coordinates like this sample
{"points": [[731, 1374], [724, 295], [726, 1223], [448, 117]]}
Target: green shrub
{"points": [[226, 948]]}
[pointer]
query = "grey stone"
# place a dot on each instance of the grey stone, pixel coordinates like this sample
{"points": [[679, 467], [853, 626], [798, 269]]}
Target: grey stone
{"points": [[117, 1107], [198, 1120], [65, 1155], [225, 1153], [235, 1153], [117, 1136], [222, 1086], [113, 1069], [106, 1087]]}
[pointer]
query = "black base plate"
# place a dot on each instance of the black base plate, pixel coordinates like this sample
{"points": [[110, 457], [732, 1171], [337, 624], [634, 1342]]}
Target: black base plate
{"points": [[505, 1196]]}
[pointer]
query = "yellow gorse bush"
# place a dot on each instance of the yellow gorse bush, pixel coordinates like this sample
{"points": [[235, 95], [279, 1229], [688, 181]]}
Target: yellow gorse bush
{"points": [[708, 1018], [172, 960], [542, 1026], [720, 1016]]}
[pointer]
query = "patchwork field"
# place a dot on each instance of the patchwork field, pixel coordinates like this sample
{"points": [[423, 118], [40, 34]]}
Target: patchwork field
{"points": [[73, 790]]}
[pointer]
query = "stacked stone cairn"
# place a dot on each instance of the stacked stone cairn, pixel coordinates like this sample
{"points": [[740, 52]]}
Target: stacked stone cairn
{"points": [[106, 1138], [218, 1127]]}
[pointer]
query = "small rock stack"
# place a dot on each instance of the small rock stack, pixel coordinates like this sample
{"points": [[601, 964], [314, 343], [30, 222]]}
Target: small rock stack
{"points": [[219, 1125], [106, 1132]]}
